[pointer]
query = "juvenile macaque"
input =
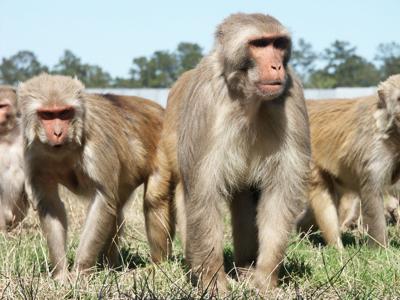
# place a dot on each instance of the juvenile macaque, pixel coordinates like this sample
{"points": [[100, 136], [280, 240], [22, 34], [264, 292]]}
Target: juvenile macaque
{"points": [[355, 146], [13, 200], [101, 147], [236, 131]]}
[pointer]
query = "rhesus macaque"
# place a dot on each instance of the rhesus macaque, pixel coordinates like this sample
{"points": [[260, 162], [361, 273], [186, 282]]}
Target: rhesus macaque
{"points": [[355, 146], [236, 130], [350, 210], [13, 200], [101, 147]]}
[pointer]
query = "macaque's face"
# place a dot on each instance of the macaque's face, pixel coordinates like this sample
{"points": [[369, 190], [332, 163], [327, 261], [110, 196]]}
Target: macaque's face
{"points": [[269, 54], [7, 114], [56, 122]]}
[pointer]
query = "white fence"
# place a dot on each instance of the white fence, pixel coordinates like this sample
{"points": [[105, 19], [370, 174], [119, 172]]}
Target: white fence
{"points": [[339, 93], [160, 95]]}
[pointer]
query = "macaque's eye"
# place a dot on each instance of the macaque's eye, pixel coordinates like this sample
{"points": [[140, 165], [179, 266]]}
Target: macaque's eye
{"points": [[4, 106], [281, 43], [260, 43], [46, 115], [398, 99], [66, 114]]}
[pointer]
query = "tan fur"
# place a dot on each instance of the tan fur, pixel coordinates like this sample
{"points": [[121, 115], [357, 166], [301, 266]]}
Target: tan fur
{"points": [[13, 199], [109, 152], [355, 146], [225, 142], [392, 206], [350, 210]]}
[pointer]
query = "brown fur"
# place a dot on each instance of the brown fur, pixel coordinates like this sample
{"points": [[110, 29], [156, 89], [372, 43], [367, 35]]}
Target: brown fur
{"points": [[13, 201], [108, 153], [224, 141], [356, 146]]}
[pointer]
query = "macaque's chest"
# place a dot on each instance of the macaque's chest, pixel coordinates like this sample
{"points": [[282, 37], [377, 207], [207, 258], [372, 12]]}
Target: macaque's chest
{"points": [[244, 157], [246, 145]]}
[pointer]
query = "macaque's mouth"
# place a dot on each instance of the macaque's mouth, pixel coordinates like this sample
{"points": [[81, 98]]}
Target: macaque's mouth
{"points": [[270, 86], [57, 146], [270, 82]]}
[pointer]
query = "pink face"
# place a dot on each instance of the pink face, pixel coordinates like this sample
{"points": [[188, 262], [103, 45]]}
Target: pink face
{"points": [[56, 121], [269, 53], [5, 112]]}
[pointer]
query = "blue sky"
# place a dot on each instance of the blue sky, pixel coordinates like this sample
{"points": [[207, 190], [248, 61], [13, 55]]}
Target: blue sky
{"points": [[112, 33]]}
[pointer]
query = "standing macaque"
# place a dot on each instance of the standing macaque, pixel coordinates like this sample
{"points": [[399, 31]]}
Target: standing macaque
{"points": [[355, 146], [13, 200], [236, 131], [101, 147]]}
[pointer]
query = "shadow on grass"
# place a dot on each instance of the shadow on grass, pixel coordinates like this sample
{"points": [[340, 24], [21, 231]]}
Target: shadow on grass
{"points": [[294, 267], [316, 239], [228, 259], [348, 239], [395, 243]]}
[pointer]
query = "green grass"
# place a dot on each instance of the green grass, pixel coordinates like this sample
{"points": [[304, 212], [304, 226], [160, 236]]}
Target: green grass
{"points": [[309, 271]]}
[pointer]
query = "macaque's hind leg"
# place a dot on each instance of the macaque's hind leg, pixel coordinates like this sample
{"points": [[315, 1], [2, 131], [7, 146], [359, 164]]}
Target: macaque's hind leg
{"points": [[325, 211], [159, 212]]}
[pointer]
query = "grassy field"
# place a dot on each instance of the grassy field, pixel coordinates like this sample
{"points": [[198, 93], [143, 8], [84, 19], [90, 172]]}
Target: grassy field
{"points": [[310, 271]]}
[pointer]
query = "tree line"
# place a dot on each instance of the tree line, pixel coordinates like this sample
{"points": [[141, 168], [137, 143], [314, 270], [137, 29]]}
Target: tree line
{"points": [[336, 66]]}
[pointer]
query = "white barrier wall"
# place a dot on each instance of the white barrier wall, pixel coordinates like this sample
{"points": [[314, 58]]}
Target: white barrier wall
{"points": [[160, 95], [339, 93]]}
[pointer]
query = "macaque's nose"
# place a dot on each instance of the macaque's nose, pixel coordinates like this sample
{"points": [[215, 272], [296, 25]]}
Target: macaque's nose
{"points": [[276, 67], [57, 129]]}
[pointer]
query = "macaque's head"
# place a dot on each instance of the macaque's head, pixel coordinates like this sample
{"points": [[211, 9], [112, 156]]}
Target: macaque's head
{"points": [[8, 109], [388, 113], [52, 110], [254, 50]]}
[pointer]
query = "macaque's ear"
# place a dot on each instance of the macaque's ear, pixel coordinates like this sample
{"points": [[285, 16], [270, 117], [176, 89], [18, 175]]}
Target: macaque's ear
{"points": [[382, 99]]}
